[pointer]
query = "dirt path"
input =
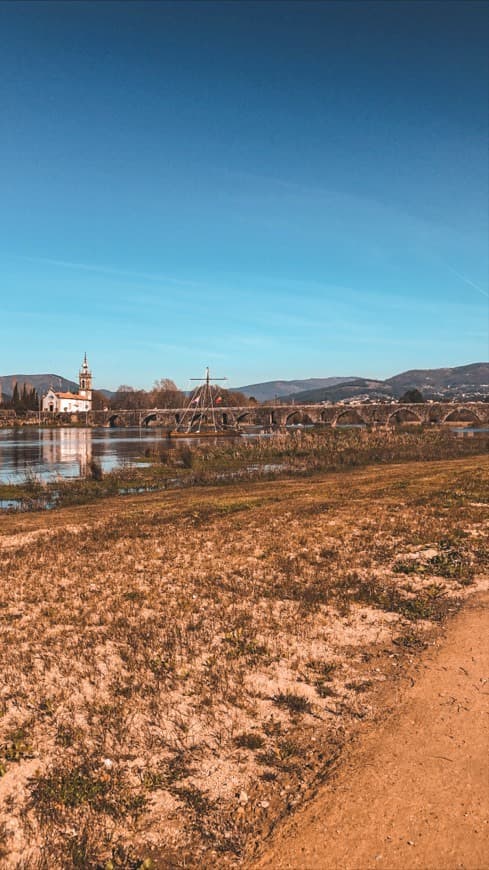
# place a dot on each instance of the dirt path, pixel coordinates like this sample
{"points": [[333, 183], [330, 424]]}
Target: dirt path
{"points": [[416, 793]]}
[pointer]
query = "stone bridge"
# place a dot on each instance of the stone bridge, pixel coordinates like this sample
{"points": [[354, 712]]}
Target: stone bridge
{"points": [[274, 416]]}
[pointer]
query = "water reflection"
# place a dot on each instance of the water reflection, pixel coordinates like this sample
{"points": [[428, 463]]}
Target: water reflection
{"points": [[69, 448], [67, 452]]}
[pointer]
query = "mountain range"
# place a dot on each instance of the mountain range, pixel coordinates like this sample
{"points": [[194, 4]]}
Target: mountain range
{"points": [[469, 381], [40, 382], [276, 389]]}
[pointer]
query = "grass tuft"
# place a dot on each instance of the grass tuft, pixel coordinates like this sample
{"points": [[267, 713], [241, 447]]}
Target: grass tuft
{"points": [[292, 702]]}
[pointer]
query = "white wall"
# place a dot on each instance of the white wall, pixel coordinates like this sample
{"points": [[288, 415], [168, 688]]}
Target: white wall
{"points": [[65, 406]]}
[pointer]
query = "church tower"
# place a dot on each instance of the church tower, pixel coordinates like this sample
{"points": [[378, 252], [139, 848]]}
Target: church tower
{"points": [[85, 381]]}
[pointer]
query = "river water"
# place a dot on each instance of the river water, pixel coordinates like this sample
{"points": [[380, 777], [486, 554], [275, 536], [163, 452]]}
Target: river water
{"points": [[67, 452]]}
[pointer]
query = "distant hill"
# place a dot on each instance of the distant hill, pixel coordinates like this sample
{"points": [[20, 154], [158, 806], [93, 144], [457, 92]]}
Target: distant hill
{"points": [[470, 382], [40, 382], [275, 389], [346, 390], [470, 377]]}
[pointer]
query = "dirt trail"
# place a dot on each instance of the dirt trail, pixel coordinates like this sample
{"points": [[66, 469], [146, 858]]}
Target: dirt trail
{"points": [[414, 794]]}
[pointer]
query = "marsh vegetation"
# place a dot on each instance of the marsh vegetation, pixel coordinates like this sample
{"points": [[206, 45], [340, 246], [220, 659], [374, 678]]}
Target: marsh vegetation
{"points": [[164, 465]]}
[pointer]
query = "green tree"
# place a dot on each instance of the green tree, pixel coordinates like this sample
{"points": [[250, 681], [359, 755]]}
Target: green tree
{"points": [[412, 397]]}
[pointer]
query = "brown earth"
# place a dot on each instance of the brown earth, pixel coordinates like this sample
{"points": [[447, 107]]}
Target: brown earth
{"points": [[182, 670], [414, 793]]}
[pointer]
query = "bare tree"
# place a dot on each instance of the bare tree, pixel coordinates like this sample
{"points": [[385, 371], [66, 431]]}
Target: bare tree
{"points": [[165, 384], [129, 399]]}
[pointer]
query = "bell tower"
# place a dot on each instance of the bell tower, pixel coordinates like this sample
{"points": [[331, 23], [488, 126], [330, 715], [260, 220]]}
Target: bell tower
{"points": [[85, 380]]}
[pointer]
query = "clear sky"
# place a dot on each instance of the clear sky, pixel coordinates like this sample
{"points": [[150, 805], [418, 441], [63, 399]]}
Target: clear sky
{"points": [[275, 189]]}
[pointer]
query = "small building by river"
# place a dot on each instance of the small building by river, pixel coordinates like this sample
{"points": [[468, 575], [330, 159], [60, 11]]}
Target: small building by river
{"points": [[71, 403]]}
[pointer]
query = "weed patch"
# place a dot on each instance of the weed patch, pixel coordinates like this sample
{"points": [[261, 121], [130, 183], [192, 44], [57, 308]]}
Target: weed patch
{"points": [[292, 702], [64, 788], [249, 740]]}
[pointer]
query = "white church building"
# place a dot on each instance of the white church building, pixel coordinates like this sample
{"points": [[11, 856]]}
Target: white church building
{"points": [[71, 403]]}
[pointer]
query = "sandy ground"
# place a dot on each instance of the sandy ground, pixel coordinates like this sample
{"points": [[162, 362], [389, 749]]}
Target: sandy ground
{"points": [[180, 671], [414, 793]]}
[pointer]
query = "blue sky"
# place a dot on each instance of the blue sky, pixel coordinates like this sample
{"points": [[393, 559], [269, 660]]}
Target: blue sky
{"points": [[276, 190]]}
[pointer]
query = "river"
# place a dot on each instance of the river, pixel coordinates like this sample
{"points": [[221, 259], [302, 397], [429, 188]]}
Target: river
{"points": [[67, 452]]}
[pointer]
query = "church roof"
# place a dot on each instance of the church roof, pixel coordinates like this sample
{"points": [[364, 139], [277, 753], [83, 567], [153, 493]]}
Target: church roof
{"points": [[71, 396]]}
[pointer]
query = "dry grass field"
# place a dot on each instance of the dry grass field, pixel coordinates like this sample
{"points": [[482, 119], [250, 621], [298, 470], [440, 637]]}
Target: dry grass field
{"points": [[182, 669]]}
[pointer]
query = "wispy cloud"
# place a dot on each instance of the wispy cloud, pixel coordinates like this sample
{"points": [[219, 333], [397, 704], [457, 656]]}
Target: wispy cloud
{"points": [[392, 215], [108, 270], [206, 352], [468, 281]]}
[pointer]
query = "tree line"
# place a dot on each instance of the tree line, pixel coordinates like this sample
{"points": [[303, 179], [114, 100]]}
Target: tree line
{"points": [[165, 394], [22, 399]]}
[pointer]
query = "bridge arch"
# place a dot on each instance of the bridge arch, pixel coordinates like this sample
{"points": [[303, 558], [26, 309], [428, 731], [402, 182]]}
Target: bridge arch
{"points": [[244, 417], [403, 415], [115, 420], [269, 417], [349, 417], [226, 418], [462, 415], [298, 418], [150, 418], [197, 420]]}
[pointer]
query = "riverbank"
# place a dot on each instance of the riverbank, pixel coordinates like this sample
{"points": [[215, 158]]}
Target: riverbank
{"points": [[182, 669], [160, 464]]}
